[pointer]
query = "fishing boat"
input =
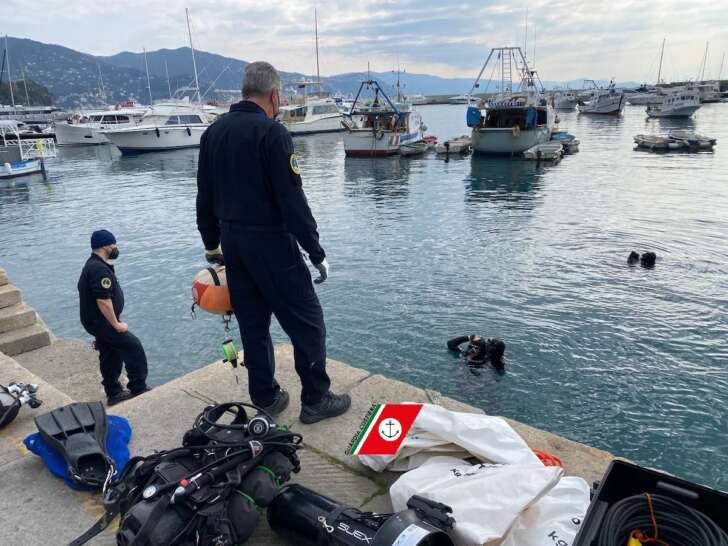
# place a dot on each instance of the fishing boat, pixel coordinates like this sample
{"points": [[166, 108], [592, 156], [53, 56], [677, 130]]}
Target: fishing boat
{"points": [[165, 126], [22, 156], [603, 101], [642, 96], [565, 100], [659, 142], [382, 128], [675, 102], [519, 118], [87, 129]]}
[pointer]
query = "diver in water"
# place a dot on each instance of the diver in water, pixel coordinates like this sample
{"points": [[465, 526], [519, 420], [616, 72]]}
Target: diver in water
{"points": [[480, 351]]}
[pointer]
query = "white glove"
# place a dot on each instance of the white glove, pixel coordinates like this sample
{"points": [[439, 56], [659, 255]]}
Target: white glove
{"points": [[323, 269]]}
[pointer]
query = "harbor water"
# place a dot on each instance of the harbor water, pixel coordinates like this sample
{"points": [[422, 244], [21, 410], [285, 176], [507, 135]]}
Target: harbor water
{"points": [[623, 358]]}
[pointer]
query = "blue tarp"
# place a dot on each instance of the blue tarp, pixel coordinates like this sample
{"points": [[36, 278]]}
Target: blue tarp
{"points": [[117, 446]]}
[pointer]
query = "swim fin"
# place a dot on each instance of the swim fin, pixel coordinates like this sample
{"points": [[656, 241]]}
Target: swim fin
{"points": [[78, 432]]}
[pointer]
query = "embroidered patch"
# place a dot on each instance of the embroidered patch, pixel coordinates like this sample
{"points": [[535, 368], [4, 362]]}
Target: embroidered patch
{"points": [[294, 164], [106, 282]]}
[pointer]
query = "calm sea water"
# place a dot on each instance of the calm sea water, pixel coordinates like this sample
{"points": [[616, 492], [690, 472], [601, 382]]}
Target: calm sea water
{"points": [[626, 359]]}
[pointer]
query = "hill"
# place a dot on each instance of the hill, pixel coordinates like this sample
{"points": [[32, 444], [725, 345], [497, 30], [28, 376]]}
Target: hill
{"points": [[37, 95]]}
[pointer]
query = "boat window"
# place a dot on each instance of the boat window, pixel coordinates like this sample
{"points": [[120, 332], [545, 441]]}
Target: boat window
{"points": [[190, 119], [95, 118], [122, 119], [172, 120], [325, 109]]}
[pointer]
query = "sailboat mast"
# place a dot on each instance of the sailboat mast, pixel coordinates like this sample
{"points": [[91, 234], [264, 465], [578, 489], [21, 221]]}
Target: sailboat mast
{"points": [[194, 63], [10, 76], [705, 61], [25, 84], [101, 83], [318, 72], [720, 72], [169, 86], [659, 70], [149, 84], [525, 32]]}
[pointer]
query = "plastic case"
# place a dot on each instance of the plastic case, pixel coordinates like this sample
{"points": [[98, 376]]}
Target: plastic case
{"points": [[624, 479]]}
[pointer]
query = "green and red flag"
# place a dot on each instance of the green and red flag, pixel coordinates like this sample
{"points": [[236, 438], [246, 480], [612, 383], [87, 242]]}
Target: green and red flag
{"points": [[384, 429]]}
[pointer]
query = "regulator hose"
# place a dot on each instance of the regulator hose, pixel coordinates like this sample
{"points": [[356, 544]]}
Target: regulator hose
{"points": [[656, 519]]}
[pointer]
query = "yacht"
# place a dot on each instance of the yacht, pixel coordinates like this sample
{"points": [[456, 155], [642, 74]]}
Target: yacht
{"points": [[675, 102], [609, 101], [709, 91], [383, 127], [643, 96], [87, 129], [165, 126], [517, 119], [315, 115], [565, 100]]}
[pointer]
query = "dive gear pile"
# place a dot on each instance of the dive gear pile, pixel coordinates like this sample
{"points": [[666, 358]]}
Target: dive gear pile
{"points": [[208, 492], [13, 397], [78, 432], [304, 517]]}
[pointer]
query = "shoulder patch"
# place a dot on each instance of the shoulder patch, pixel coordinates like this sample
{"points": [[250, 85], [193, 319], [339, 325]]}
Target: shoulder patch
{"points": [[293, 161], [106, 282]]}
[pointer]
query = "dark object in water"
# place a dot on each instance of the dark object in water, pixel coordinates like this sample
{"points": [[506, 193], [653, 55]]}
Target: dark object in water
{"points": [[648, 260], [634, 257], [479, 350]]}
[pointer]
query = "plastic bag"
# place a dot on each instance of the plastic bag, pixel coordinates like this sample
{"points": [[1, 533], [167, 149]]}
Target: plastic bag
{"points": [[555, 519], [439, 431], [486, 499]]}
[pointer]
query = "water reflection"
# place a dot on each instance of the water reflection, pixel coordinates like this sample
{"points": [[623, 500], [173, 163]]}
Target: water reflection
{"points": [[381, 179], [513, 183]]}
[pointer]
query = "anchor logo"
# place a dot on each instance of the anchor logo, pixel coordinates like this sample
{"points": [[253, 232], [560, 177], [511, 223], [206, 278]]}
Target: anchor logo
{"points": [[390, 429]]}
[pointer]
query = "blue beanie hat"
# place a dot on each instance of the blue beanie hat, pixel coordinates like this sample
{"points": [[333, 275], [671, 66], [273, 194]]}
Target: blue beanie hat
{"points": [[102, 237]]}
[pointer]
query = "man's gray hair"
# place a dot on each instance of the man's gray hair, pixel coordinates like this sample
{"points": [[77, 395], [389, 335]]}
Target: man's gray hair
{"points": [[260, 79]]}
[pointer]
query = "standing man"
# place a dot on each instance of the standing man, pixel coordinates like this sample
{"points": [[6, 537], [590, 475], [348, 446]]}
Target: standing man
{"points": [[250, 197], [102, 302]]}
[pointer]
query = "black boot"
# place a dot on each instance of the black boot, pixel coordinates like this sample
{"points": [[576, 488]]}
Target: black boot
{"points": [[119, 398], [331, 405], [279, 404]]}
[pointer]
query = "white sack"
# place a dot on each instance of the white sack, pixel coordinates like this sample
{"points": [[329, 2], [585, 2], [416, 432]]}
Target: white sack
{"points": [[486, 499], [554, 519], [440, 431]]}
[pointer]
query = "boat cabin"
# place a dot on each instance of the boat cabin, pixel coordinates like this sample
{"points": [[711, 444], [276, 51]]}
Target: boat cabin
{"points": [[509, 115]]}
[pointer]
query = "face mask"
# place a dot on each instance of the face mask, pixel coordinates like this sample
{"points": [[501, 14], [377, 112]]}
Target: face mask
{"points": [[114, 253]]}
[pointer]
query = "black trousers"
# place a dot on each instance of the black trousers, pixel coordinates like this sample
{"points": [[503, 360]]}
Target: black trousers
{"points": [[267, 276], [116, 350]]}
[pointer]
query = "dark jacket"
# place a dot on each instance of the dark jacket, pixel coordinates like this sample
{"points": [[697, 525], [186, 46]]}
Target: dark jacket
{"points": [[248, 175], [98, 282]]}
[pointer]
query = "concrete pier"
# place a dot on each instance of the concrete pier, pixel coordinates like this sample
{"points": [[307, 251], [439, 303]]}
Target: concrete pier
{"points": [[37, 509]]}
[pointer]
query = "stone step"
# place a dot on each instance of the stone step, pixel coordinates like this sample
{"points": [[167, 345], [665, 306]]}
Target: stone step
{"points": [[24, 339], [9, 295], [3, 277], [16, 316]]}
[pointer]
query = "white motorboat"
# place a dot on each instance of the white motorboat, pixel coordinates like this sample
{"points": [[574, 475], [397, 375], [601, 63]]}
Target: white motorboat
{"points": [[459, 145], [165, 126], [693, 139], [675, 102], [460, 99], [86, 129], [382, 128], [643, 95], [709, 91], [658, 142], [609, 101], [315, 115], [515, 121], [548, 151], [565, 100], [417, 99], [22, 156]]}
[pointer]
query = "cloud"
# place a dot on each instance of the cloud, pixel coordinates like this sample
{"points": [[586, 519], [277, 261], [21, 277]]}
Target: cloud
{"points": [[573, 38]]}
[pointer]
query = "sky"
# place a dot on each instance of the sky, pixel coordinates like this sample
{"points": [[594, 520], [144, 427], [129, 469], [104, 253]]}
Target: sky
{"points": [[573, 38]]}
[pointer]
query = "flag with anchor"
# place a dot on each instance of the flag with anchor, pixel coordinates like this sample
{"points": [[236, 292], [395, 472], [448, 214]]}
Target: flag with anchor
{"points": [[383, 429]]}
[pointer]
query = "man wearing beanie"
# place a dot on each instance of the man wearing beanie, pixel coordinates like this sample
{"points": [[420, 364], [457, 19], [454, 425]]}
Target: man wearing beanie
{"points": [[102, 302]]}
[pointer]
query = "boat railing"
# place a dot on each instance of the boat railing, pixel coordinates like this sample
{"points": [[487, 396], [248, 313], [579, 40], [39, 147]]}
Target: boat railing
{"points": [[37, 148]]}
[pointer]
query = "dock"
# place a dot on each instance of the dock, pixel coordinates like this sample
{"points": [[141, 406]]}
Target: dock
{"points": [[38, 509]]}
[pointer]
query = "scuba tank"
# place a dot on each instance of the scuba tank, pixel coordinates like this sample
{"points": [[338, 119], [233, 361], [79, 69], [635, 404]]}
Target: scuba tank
{"points": [[13, 397], [302, 516]]}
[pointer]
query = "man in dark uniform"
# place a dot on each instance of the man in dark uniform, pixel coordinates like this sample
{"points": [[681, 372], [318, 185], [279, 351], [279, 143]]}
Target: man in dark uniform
{"points": [[250, 198], [102, 302]]}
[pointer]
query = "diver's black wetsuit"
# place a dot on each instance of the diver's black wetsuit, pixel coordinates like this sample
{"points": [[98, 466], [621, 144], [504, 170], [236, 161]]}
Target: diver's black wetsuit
{"points": [[479, 351]]}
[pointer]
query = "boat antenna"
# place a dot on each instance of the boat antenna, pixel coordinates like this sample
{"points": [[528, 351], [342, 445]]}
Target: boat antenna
{"points": [[166, 70], [10, 76], [720, 72], [25, 84], [662, 53], [102, 89], [194, 63], [149, 84], [525, 31], [315, 26], [534, 47], [701, 71]]}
